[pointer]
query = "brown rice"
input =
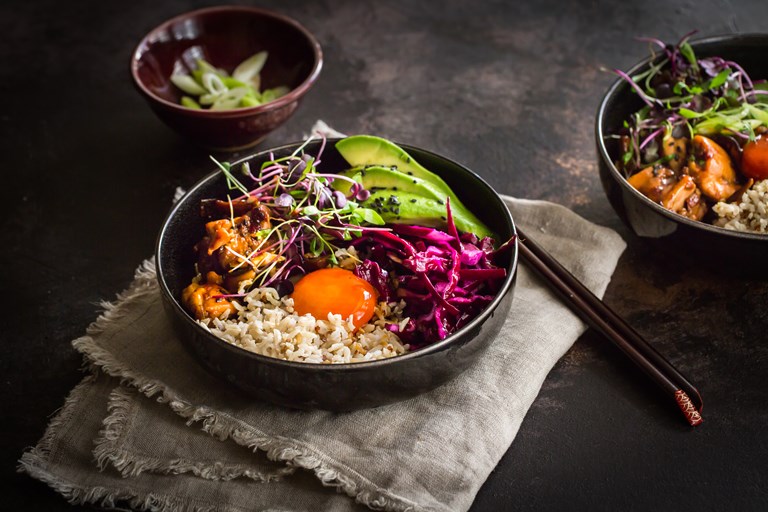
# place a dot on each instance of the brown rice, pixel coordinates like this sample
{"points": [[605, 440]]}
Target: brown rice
{"points": [[268, 325], [749, 214]]}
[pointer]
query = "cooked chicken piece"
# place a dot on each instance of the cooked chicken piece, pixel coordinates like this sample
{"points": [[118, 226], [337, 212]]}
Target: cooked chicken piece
{"points": [[226, 244], [653, 182], [205, 300], [695, 207], [214, 278], [685, 198], [222, 231], [232, 280], [676, 149], [711, 169]]}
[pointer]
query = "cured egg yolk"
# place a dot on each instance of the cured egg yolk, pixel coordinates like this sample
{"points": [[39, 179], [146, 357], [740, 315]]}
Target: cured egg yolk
{"points": [[337, 291]]}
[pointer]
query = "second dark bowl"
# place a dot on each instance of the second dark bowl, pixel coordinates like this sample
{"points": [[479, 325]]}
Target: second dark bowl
{"points": [[678, 236], [335, 387]]}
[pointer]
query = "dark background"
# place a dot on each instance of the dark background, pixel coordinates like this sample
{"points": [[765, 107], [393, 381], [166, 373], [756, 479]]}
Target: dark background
{"points": [[508, 88]]}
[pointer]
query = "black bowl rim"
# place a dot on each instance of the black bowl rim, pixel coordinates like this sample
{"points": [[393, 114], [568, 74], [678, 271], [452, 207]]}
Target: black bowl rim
{"points": [[340, 367], [292, 96], [615, 88]]}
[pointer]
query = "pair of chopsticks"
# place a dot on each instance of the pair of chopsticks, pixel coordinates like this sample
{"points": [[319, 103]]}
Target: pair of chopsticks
{"points": [[602, 318]]}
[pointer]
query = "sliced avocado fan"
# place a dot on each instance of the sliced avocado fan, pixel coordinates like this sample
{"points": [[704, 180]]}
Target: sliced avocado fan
{"points": [[387, 171]]}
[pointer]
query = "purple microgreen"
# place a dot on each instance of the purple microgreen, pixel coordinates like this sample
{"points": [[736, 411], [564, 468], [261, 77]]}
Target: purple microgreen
{"points": [[650, 137], [322, 147], [643, 96], [296, 168], [284, 200], [332, 177], [277, 273], [245, 169], [661, 44], [339, 199], [740, 135], [270, 171], [743, 73], [265, 187]]}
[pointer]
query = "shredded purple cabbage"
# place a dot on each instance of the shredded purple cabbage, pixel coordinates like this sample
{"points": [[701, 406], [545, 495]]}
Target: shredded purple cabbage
{"points": [[445, 278], [378, 278]]}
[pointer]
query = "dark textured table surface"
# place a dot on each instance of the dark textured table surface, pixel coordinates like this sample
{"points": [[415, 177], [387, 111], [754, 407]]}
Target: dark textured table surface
{"points": [[508, 88]]}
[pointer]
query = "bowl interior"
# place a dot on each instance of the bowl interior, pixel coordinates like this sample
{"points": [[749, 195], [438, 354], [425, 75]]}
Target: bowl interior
{"points": [[620, 102], [224, 36], [183, 226]]}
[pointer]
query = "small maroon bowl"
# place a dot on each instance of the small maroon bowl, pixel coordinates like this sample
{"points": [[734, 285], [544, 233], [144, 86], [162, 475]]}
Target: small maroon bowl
{"points": [[225, 36]]}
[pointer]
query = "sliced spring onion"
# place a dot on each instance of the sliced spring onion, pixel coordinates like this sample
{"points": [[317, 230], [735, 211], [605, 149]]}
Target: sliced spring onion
{"points": [[208, 99], [188, 102], [213, 83], [217, 90], [231, 82], [249, 101], [758, 112], [187, 84], [230, 99], [274, 93], [250, 67], [206, 67]]}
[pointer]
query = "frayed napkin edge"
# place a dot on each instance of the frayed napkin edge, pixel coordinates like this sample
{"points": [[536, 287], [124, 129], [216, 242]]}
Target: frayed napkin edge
{"points": [[108, 451], [219, 424], [35, 462]]}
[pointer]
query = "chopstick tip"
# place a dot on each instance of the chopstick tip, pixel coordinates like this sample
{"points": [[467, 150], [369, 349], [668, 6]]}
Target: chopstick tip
{"points": [[689, 410]]}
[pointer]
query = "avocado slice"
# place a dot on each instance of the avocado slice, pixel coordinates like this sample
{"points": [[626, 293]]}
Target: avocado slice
{"points": [[367, 150], [362, 150], [375, 177], [398, 207]]}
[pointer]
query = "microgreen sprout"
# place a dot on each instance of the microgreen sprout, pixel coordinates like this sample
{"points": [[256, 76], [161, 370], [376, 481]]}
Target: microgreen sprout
{"points": [[308, 217]]}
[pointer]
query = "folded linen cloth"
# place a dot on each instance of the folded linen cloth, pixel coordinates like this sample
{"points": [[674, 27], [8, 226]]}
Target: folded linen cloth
{"points": [[201, 445]]}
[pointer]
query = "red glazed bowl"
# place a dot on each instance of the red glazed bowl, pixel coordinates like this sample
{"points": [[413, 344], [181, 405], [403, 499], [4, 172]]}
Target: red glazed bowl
{"points": [[225, 36]]}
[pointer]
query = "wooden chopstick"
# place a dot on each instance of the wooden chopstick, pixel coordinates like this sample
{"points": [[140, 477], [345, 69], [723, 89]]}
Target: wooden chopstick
{"points": [[602, 318]]}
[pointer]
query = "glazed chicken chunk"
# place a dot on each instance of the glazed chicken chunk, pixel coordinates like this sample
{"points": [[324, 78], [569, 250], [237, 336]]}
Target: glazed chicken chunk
{"points": [[206, 300], [712, 170]]}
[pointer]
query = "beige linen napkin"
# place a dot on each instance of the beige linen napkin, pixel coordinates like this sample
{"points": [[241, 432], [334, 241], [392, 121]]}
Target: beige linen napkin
{"points": [[173, 437]]}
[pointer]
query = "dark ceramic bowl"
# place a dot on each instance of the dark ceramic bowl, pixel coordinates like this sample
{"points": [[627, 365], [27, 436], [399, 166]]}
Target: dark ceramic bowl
{"points": [[698, 241], [336, 387], [225, 36]]}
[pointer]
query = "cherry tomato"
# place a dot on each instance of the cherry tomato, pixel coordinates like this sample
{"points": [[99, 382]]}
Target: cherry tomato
{"points": [[754, 159]]}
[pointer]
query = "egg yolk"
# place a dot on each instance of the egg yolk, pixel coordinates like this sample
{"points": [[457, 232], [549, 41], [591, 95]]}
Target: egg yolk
{"points": [[337, 291]]}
